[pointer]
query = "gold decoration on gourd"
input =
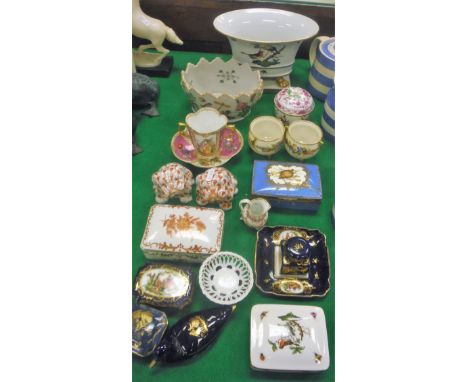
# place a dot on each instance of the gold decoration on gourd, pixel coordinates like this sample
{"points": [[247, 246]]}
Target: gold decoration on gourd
{"points": [[198, 327]]}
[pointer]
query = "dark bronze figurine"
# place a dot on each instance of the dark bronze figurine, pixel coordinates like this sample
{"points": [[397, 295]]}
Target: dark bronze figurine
{"points": [[145, 94]]}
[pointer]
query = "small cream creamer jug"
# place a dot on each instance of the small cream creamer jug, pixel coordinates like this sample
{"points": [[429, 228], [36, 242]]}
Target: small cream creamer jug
{"points": [[254, 212]]}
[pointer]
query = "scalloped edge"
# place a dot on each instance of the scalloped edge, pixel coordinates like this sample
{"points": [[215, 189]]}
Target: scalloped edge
{"points": [[189, 88]]}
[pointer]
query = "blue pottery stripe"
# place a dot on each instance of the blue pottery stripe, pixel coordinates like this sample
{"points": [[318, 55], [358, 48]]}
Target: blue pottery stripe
{"points": [[330, 73], [325, 61], [328, 132], [326, 81], [328, 110], [328, 48], [329, 120], [326, 76], [326, 127], [328, 137], [315, 93], [331, 99], [321, 88]]}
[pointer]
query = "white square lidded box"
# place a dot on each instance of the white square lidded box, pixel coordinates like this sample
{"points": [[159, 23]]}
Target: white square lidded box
{"points": [[182, 233], [288, 338]]}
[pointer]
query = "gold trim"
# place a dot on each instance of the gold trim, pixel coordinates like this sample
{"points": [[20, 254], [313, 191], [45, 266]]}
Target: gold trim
{"points": [[203, 109], [221, 160], [282, 82], [164, 321], [273, 121], [146, 298], [278, 286], [302, 199], [299, 296], [198, 327], [297, 141]]}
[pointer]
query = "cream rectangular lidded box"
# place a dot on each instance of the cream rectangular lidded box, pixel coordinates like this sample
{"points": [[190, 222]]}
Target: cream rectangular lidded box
{"points": [[182, 233]]}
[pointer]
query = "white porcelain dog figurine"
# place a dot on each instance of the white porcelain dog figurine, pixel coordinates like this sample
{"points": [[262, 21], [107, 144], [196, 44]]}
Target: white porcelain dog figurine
{"points": [[154, 30]]}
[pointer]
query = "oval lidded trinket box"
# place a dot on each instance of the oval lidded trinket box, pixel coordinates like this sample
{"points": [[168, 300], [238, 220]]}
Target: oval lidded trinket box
{"points": [[164, 286]]}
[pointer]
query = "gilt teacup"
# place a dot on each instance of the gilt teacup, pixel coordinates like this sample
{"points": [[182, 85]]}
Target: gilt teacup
{"points": [[204, 127], [303, 139], [266, 135]]}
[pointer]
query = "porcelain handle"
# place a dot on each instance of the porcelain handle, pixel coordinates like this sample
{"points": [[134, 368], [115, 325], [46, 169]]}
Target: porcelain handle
{"points": [[243, 201], [314, 47], [182, 126]]}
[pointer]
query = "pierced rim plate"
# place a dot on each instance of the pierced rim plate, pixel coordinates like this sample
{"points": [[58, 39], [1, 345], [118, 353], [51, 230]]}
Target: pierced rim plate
{"points": [[225, 278], [290, 338]]}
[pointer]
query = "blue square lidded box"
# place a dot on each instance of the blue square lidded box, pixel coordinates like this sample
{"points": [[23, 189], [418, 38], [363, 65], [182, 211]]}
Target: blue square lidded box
{"points": [[288, 185]]}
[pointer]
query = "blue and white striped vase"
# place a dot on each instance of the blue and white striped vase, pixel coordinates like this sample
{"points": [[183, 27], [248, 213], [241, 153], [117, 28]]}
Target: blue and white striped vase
{"points": [[328, 116], [322, 70]]}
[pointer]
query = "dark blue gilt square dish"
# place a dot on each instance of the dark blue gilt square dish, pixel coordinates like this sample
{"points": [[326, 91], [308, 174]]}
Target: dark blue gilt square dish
{"points": [[292, 262], [288, 184]]}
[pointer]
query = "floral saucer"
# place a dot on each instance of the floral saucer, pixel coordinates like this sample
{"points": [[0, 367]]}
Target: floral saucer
{"points": [[274, 274], [230, 144], [288, 338]]}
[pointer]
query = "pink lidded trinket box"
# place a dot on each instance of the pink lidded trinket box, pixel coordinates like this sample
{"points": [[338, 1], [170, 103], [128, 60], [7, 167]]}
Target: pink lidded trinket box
{"points": [[292, 104]]}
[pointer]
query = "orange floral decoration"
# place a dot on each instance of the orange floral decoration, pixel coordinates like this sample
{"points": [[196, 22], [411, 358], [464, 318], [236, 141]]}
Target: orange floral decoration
{"points": [[174, 224]]}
